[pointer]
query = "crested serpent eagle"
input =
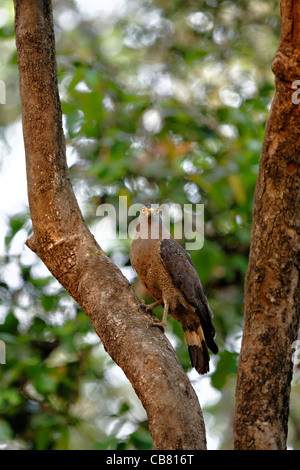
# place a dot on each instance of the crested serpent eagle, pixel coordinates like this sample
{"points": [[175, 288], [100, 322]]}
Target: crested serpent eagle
{"points": [[167, 271]]}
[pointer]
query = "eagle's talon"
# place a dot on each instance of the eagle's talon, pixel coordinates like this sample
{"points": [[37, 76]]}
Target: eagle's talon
{"points": [[148, 308], [159, 325], [142, 307]]}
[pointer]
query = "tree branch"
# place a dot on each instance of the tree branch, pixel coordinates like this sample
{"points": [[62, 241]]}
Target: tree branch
{"points": [[272, 289], [63, 242]]}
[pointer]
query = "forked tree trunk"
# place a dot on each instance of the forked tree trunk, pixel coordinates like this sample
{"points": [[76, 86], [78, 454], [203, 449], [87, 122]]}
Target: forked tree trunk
{"points": [[272, 292], [63, 242]]}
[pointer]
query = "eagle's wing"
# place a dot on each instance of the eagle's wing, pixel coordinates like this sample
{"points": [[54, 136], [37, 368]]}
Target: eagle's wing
{"points": [[185, 277]]}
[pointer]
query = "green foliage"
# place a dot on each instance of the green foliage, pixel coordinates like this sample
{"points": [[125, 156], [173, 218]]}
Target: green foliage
{"points": [[226, 366], [163, 102]]}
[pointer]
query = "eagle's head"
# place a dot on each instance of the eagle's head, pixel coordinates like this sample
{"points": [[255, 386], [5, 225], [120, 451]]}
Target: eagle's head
{"points": [[150, 210]]}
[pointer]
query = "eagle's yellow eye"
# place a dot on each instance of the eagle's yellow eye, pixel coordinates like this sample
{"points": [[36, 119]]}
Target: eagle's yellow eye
{"points": [[144, 210], [156, 210]]}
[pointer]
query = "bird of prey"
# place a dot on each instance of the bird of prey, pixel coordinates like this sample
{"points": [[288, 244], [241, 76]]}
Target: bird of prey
{"points": [[167, 271]]}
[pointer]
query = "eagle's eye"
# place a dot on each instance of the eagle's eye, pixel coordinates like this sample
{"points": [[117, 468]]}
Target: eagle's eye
{"points": [[144, 210]]}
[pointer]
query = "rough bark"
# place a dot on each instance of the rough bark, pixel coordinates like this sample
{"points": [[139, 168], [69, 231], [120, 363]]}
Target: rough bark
{"points": [[63, 242], [272, 292]]}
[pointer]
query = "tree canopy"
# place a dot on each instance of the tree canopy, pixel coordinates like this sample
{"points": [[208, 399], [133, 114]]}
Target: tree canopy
{"points": [[162, 101]]}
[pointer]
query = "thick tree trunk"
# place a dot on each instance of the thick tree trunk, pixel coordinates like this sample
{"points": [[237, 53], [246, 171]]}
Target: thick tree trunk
{"points": [[62, 240], [272, 292]]}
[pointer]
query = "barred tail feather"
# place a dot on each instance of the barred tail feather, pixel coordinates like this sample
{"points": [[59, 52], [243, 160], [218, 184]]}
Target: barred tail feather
{"points": [[198, 350]]}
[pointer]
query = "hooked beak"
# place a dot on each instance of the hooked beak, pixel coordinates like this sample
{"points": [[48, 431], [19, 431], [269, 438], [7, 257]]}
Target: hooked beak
{"points": [[150, 211]]}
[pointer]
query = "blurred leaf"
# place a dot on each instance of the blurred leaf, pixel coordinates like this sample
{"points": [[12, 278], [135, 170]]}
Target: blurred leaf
{"points": [[49, 302], [9, 398], [6, 432], [16, 223], [10, 324], [226, 367], [45, 384], [141, 440]]}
